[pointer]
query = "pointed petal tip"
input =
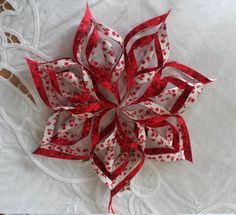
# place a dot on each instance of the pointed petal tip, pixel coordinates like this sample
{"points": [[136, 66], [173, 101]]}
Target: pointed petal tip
{"points": [[167, 13], [35, 152], [190, 160], [87, 10], [87, 5], [170, 10], [212, 79], [29, 61]]}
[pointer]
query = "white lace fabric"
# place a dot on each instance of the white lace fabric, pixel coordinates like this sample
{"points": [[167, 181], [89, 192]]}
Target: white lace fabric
{"points": [[202, 35]]}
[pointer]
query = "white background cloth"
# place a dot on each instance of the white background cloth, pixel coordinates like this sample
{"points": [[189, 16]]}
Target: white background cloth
{"points": [[202, 34]]}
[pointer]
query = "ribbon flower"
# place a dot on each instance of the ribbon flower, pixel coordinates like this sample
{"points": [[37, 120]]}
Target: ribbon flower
{"points": [[117, 102]]}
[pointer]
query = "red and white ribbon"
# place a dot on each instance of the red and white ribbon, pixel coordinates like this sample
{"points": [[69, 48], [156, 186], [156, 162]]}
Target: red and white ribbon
{"points": [[118, 101]]}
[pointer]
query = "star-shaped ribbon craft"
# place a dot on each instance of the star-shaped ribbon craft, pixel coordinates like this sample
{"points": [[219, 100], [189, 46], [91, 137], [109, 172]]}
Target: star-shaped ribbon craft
{"points": [[117, 102]]}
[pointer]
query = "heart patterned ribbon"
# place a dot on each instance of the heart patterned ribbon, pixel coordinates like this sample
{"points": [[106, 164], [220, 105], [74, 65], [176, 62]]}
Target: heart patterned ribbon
{"points": [[117, 101]]}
